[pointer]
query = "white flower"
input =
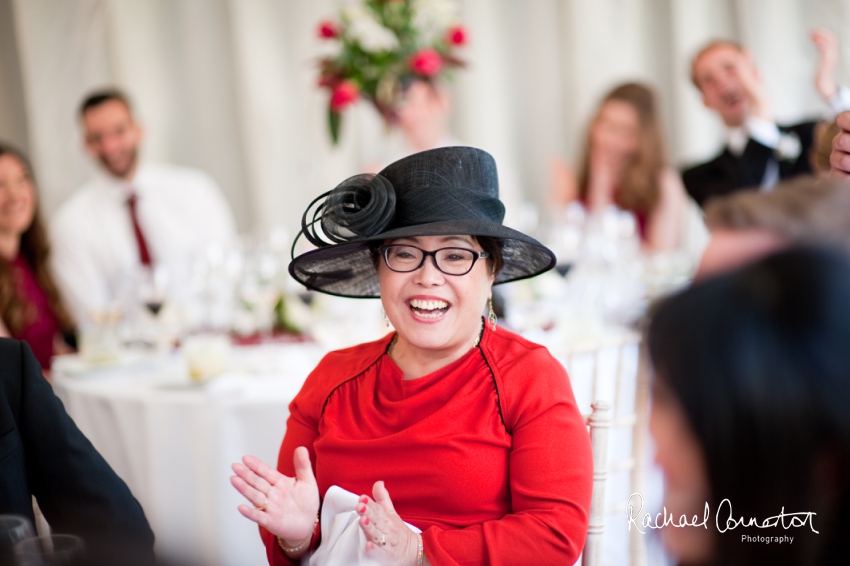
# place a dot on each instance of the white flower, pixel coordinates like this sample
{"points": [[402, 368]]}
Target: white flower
{"points": [[789, 147], [363, 28], [432, 18]]}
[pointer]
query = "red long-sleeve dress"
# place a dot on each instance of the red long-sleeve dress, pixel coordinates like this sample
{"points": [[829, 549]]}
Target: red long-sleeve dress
{"points": [[488, 455]]}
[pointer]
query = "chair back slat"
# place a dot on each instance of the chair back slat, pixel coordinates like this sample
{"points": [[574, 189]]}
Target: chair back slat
{"points": [[614, 409], [598, 423]]}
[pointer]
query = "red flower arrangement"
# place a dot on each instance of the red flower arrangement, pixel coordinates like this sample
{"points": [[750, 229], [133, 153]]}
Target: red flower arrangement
{"points": [[384, 44]]}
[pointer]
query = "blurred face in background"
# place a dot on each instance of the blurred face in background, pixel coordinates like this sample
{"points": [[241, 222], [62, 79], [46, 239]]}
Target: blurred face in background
{"points": [[424, 114], [686, 488], [17, 197], [112, 137], [720, 73], [615, 132]]}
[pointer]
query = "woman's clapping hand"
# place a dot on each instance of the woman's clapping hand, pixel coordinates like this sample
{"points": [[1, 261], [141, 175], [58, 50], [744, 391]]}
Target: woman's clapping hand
{"points": [[287, 507], [389, 540]]}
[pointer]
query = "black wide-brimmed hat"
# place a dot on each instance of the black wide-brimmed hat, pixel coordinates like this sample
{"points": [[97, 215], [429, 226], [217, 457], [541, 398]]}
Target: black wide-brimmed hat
{"points": [[440, 192]]}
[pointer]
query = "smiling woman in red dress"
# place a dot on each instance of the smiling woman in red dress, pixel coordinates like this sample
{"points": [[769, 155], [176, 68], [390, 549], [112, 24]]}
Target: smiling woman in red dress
{"points": [[30, 307], [460, 428]]}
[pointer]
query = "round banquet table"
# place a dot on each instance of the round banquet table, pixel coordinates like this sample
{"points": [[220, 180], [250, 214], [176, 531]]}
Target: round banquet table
{"points": [[174, 442]]}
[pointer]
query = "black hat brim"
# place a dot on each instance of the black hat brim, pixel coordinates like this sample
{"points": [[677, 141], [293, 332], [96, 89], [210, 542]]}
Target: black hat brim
{"points": [[348, 270]]}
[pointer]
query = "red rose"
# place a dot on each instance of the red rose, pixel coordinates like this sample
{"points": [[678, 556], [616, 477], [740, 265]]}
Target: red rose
{"points": [[426, 62], [456, 36], [345, 94], [328, 30]]}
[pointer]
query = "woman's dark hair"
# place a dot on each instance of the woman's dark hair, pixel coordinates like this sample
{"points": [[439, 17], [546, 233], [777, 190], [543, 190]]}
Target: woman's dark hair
{"points": [[16, 312], [759, 360], [492, 246]]}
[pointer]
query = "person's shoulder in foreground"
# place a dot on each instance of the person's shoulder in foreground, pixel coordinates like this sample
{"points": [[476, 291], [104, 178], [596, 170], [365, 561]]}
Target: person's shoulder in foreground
{"points": [[44, 454]]}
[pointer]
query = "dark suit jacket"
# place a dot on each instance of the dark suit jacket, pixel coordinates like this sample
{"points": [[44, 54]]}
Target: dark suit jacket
{"points": [[43, 453], [726, 173]]}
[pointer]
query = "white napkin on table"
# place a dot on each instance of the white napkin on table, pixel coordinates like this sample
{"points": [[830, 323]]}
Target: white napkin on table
{"points": [[343, 542]]}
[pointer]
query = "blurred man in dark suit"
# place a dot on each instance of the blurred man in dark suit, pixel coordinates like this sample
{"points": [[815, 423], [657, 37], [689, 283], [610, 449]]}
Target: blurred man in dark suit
{"points": [[758, 152], [44, 454]]}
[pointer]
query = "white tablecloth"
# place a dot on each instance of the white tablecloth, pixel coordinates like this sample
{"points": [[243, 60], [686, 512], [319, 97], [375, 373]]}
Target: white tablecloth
{"points": [[173, 443]]}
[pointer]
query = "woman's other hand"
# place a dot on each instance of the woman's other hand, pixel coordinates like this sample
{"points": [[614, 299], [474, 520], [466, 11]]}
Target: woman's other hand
{"points": [[389, 540], [286, 507], [605, 167]]}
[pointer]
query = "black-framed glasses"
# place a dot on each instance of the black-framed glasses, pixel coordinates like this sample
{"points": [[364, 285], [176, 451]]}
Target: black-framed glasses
{"points": [[404, 258]]}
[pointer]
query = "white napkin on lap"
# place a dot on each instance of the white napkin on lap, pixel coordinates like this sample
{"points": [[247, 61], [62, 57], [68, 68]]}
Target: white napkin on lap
{"points": [[343, 542]]}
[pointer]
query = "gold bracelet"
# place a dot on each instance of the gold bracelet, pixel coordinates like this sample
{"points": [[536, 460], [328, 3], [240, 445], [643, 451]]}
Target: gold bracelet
{"points": [[301, 546]]}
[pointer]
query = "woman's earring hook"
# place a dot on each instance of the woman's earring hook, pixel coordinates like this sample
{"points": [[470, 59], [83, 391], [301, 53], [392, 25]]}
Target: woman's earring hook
{"points": [[491, 317]]}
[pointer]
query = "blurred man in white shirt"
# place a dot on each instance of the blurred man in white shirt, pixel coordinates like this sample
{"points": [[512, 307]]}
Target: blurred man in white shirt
{"points": [[132, 217]]}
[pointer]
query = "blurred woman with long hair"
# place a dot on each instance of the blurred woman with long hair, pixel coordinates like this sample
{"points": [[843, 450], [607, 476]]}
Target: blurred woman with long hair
{"points": [[30, 307], [625, 165]]}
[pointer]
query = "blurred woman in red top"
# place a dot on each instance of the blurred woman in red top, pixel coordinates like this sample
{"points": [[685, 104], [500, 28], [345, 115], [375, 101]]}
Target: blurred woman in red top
{"points": [[625, 165], [455, 426], [30, 307]]}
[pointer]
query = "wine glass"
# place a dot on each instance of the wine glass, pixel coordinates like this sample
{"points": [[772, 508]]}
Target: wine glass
{"points": [[13, 529], [566, 235], [154, 288], [259, 290], [51, 550], [153, 293]]}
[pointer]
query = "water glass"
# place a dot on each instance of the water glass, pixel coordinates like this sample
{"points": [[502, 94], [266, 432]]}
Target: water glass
{"points": [[99, 337], [206, 355], [51, 550], [13, 529]]}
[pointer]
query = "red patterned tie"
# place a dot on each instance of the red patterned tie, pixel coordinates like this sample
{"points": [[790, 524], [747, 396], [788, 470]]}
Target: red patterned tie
{"points": [[144, 254]]}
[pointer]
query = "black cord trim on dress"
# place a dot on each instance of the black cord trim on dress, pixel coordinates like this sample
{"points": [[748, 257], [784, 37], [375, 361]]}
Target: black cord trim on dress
{"points": [[367, 368], [496, 386]]}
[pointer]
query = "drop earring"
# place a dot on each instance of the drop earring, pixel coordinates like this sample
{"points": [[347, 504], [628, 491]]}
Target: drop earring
{"points": [[491, 317], [386, 318]]}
